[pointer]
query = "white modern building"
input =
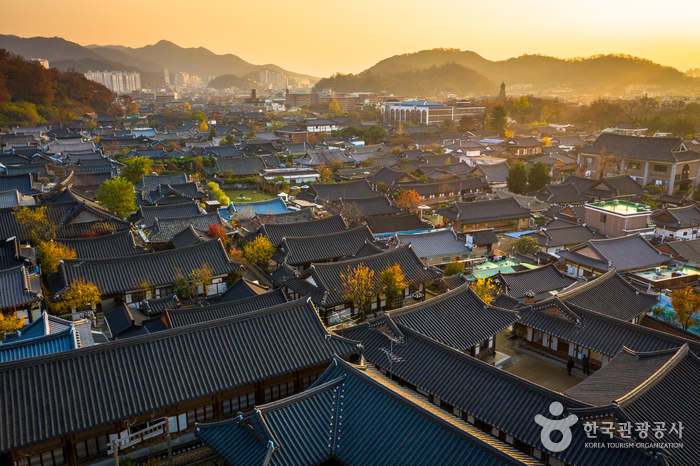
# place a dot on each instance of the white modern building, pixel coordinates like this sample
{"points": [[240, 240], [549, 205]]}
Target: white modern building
{"points": [[116, 81]]}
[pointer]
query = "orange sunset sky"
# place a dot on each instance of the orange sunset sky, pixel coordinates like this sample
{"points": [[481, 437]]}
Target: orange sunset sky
{"points": [[321, 37]]}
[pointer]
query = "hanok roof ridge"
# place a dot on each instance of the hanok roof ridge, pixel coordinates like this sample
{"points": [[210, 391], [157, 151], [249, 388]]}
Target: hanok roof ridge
{"points": [[648, 384]]}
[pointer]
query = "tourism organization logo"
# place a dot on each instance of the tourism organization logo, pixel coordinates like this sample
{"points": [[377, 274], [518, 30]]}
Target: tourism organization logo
{"points": [[552, 425]]}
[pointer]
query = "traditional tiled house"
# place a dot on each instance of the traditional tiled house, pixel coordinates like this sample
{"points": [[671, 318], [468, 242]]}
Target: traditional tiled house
{"points": [[291, 433], [324, 282], [306, 250], [551, 240], [437, 247], [134, 278], [260, 367], [276, 232], [625, 254], [499, 214], [677, 222]]}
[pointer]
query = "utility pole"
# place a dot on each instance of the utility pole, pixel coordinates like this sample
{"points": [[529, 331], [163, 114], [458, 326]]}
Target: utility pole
{"points": [[170, 444]]}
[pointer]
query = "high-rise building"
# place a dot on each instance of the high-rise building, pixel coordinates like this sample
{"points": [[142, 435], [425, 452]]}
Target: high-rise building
{"points": [[116, 81], [166, 75]]}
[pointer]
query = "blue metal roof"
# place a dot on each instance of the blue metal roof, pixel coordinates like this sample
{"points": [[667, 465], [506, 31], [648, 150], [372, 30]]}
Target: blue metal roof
{"points": [[272, 206], [39, 346], [352, 417]]}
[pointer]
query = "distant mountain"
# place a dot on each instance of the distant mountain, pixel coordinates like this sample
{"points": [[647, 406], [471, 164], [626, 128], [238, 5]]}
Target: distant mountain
{"points": [[195, 61], [149, 60], [598, 75], [449, 77]]}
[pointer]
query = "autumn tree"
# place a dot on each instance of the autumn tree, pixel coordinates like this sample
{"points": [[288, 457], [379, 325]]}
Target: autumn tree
{"points": [[484, 289], [259, 251], [517, 178], [218, 231], [10, 323], [453, 268], [220, 195], [522, 106], [117, 195], [359, 287], [201, 277], [135, 168], [538, 176], [526, 245], [686, 305], [334, 107], [51, 254], [392, 283], [35, 222], [407, 199], [325, 173], [81, 295]]}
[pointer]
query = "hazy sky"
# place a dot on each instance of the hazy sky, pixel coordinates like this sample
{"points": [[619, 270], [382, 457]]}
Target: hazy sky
{"points": [[321, 37]]}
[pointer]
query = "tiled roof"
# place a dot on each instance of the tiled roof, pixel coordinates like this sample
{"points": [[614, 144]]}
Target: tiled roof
{"points": [[193, 315], [21, 183], [561, 194], [388, 176], [123, 274], [484, 237], [426, 189], [642, 387], [504, 401], [16, 288], [332, 420], [493, 172], [150, 182], [547, 279], [243, 288], [328, 279], [189, 236], [276, 232], [9, 226], [332, 192], [240, 166], [396, 224], [611, 295], [45, 325], [202, 360], [322, 248], [485, 211], [165, 229], [39, 346], [612, 186], [689, 250], [9, 254], [601, 333], [365, 207], [434, 243], [678, 217], [458, 318], [571, 234], [76, 229], [624, 253], [149, 214], [636, 148], [112, 245]]}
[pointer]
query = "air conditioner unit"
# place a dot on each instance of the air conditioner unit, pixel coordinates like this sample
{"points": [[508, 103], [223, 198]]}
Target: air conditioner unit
{"points": [[615, 202]]}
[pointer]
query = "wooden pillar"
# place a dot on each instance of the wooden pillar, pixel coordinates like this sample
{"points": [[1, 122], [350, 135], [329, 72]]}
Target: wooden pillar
{"points": [[71, 451], [259, 394], [218, 407]]}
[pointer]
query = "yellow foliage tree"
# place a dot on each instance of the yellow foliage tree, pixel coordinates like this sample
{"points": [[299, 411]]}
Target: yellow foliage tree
{"points": [[547, 142], [686, 305], [200, 277], [259, 252], [359, 287], [81, 295], [393, 282], [334, 107], [204, 126], [484, 289], [509, 134], [10, 323], [35, 222], [51, 253]]}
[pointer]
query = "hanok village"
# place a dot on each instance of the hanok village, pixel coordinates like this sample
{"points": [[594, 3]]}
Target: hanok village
{"points": [[291, 299]]}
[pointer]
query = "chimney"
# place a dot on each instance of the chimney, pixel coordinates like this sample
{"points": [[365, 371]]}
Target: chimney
{"points": [[529, 298], [253, 94]]}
